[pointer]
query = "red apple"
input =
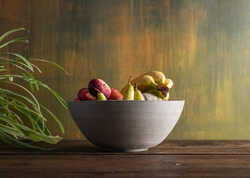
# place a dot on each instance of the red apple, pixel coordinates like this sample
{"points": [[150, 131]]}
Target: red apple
{"points": [[115, 95], [98, 85], [84, 94]]}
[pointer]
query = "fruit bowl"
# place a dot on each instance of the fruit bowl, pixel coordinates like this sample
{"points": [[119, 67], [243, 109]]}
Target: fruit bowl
{"points": [[129, 126]]}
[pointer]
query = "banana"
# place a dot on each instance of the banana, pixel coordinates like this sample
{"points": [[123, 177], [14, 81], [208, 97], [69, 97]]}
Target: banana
{"points": [[128, 92], [138, 94], [145, 82], [158, 76], [168, 83], [101, 96], [153, 82], [167, 97]]}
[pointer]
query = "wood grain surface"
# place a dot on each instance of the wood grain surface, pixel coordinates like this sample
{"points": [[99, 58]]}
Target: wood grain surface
{"points": [[171, 159], [170, 147], [203, 45]]}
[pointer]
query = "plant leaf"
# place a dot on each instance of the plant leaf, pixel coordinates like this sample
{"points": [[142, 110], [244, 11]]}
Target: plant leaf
{"points": [[20, 39], [10, 32], [12, 131], [54, 117], [18, 95], [35, 136], [59, 98], [28, 63], [8, 139], [12, 61], [52, 63], [21, 118]]}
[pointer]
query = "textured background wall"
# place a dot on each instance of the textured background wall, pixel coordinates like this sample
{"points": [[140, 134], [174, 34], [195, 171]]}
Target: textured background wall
{"points": [[203, 45]]}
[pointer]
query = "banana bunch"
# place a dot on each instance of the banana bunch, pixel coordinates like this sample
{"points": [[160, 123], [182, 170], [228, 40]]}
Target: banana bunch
{"points": [[154, 83]]}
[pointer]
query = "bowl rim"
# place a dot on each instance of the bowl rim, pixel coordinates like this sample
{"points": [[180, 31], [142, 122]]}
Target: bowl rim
{"points": [[126, 101]]}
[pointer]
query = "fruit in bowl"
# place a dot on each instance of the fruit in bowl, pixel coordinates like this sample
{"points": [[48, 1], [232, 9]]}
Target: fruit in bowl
{"points": [[98, 85], [135, 119], [154, 83], [84, 94], [115, 95]]}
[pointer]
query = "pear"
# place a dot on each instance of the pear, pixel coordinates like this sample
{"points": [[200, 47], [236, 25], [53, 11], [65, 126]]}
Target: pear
{"points": [[145, 82], [138, 94], [128, 92], [101, 96], [158, 76]]}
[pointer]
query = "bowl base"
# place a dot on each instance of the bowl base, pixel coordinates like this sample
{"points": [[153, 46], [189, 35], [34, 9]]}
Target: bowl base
{"points": [[122, 150], [135, 150]]}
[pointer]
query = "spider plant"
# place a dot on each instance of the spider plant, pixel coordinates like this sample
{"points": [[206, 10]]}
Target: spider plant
{"points": [[22, 117]]}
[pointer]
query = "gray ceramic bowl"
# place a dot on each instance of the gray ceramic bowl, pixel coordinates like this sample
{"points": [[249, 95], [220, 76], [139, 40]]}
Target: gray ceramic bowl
{"points": [[126, 125]]}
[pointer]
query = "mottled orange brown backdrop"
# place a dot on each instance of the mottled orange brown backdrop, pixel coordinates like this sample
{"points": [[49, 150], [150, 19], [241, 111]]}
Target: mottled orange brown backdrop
{"points": [[203, 45]]}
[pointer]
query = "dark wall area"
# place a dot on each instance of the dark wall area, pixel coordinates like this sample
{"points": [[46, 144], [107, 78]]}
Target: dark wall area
{"points": [[203, 45]]}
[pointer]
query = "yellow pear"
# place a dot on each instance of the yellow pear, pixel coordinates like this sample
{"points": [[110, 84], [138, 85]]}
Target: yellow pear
{"points": [[138, 94], [128, 92], [101, 96]]}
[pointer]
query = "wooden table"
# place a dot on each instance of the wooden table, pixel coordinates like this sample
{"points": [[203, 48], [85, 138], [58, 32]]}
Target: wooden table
{"points": [[72, 158]]}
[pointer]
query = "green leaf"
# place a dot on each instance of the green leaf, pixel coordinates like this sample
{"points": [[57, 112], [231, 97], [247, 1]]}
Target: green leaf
{"points": [[20, 39], [12, 131], [12, 61], [21, 118], [10, 32], [7, 76], [28, 63], [35, 136], [18, 95], [20, 106], [54, 117], [59, 98], [15, 115], [32, 113], [15, 65], [9, 140], [24, 77], [52, 63]]}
